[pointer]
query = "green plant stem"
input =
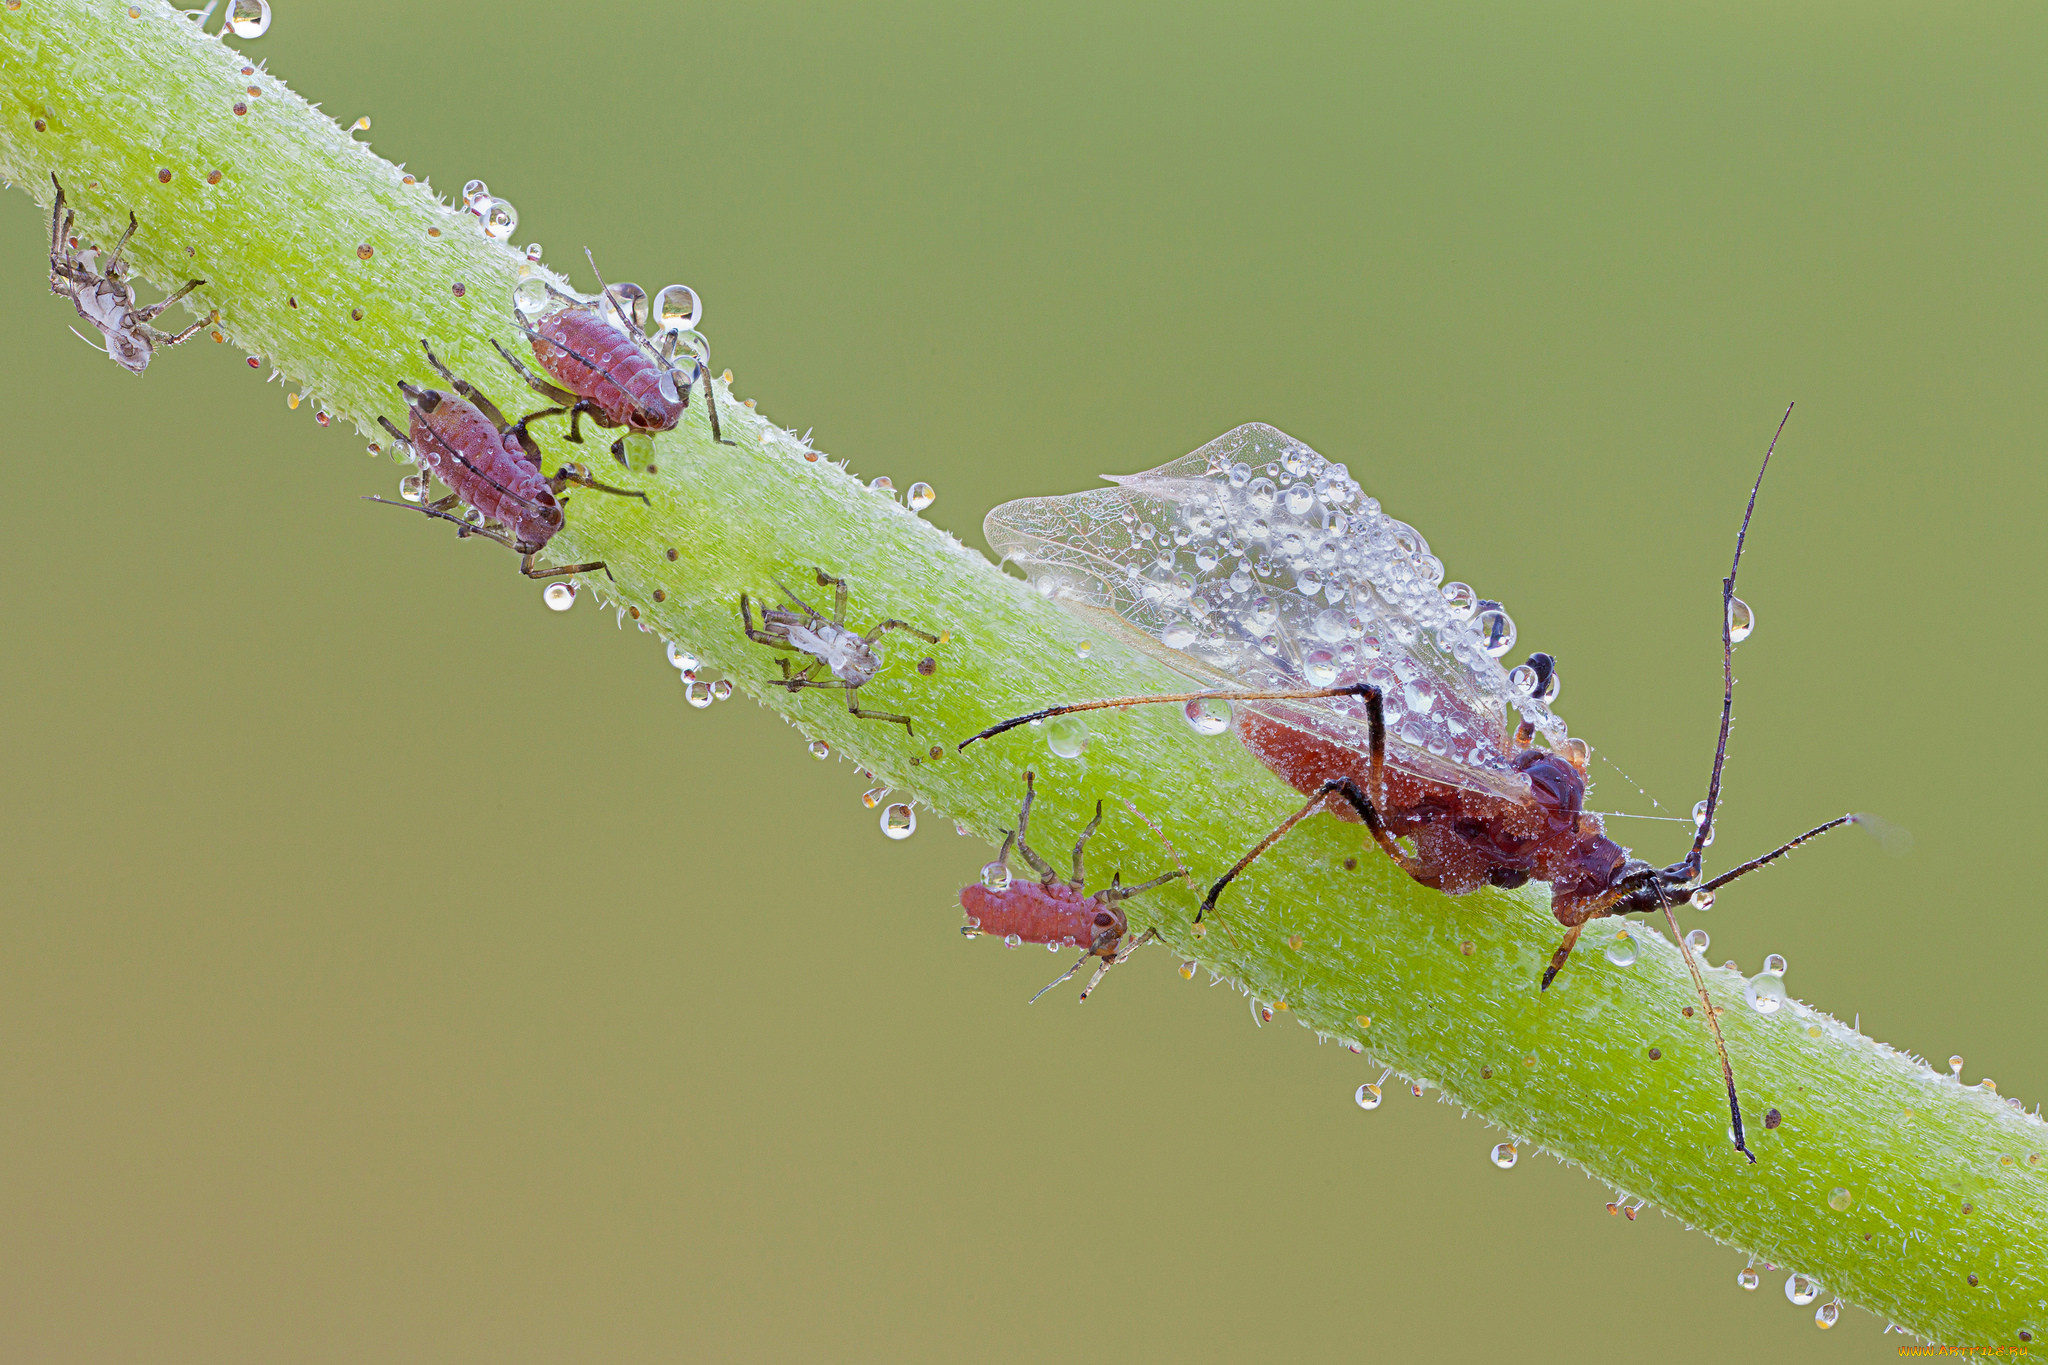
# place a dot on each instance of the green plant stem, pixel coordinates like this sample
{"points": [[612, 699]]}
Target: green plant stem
{"points": [[1943, 1182]]}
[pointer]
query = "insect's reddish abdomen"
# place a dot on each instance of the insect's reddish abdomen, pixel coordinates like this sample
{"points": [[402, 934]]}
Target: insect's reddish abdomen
{"points": [[591, 357], [1037, 913], [486, 470], [1464, 839]]}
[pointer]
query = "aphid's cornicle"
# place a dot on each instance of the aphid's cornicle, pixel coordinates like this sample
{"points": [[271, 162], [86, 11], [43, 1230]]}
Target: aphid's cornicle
{"points": [[106, 298], [492, 466], [1502, 813], [1058, 911], [606, 370], [850, 659]]}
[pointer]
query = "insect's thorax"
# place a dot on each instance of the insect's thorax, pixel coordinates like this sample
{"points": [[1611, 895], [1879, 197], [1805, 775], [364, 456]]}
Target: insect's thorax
{"points": [[850, 658]]}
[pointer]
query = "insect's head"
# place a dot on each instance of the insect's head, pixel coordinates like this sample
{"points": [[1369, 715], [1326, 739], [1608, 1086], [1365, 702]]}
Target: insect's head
{"points": [[657, 409], [427, 401], [1110, 927], [130, 350]]}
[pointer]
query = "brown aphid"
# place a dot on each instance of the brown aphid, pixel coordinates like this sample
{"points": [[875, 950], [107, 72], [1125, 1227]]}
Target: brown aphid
{"points": [[493, 467], [1056, 911], [106, 298], [605, 368], [851, 659], [1483, 803]]}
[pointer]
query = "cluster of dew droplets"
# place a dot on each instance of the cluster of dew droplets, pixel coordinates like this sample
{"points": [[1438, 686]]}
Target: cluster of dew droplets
{"points": [[497, 216], [1268, 563]]}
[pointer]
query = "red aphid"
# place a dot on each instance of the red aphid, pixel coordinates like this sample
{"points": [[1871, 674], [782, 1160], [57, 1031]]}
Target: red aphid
{"points": [[492, 466], [1053, 911], [604, 368], [1358, 680]]}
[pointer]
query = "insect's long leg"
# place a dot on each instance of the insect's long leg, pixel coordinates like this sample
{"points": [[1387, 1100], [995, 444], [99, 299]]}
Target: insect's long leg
{"points": [[852, 693], [1699, 983], [467, 390], [149, 314], [1754, 863], [1039, 865], [1706, 829], [759, 637], [838, 586], [114, 262], [1080, 878], [711, 406], [1564, 952], [526, 563], [174, 338], [463, 528], [552, 392], [57, 246], [1068, 974], [893, 624], [574, 474], [1299, 694], [1338, 786], [1124, 893]]}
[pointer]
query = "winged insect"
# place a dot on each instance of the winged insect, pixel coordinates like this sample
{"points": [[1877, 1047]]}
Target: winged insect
{"points": [[1053, 910], [106, 297], [1261, 570], [492, 466], [850, 659], [604, 368]]}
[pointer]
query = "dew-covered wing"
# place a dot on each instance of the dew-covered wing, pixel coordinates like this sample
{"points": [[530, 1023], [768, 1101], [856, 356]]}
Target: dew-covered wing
{"points": [[1254, 562]]}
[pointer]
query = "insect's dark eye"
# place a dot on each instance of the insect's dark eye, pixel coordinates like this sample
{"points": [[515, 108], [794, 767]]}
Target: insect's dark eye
{"points": [[1103, 919]]}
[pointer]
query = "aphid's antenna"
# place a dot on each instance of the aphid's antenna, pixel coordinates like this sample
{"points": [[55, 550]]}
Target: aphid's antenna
{"points": [[1705, 831], [1754, 863], [1699, 984], [467, 528], [625, 313], [1063, 976], [90, 342], [1296, 694]]}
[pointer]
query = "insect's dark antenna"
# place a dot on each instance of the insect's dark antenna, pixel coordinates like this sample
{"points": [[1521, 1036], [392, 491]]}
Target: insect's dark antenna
{"points": [[625, 313], [1706, 829]]}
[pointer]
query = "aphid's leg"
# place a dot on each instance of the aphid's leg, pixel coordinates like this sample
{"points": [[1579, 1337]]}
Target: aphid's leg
{"points": [[893, 624], [808, 610], [160, 339], [1339, 786], [56, 217], [838, 585], [1080, 879], [114, 263], [1038, 864], [149, 314], [578, 475], [1068, 975], [526, 567], [1123, 954], [852, 695], [710, 407], [761, 636], [1298, 694], [470, 391], [1124, 893], [552, 392], [1564, 951]]}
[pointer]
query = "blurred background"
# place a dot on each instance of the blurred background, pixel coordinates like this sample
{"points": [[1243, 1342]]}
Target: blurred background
{"points": [[363, 1001]]}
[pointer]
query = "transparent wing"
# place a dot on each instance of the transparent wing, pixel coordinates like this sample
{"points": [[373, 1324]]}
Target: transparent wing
{"points": [[1254, 562]]}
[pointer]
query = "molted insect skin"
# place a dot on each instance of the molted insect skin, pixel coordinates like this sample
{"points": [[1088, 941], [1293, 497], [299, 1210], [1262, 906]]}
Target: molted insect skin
{"points": [[1038, 913], [489, 472], [593, 357]]}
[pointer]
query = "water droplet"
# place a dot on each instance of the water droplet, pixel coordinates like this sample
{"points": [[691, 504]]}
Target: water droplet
{"points": [[531, 296], [1988, 1084], [1083, 650], [1505, 1155], [1827, 1314], [1012, 941], [1703, 899], [558, 596], [1207, 715], [1774, 965], [1839, 1200], [677, 308], [1765, 993], [1622, 951], [698, 694], [1748, 1278], [920, 496], [1461, 600], [872, 797], [1955, 1067], [1496, 631], [1697, 940], [1368, 1095], [820, 749], [474, 190], [721, 689], [681, 658], [899, 821], [1318, 667], [1187, 971], [1741, 620], [635, 300], [1178, 635], [882, 483], [1066, 736], [533, 251], [500, 218], [995, 876], [249, 18], [361, 125], [1801, 1289], [413, 487]]}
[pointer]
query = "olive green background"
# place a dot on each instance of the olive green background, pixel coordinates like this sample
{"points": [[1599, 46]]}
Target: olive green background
{"points": [[393, 970]]}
